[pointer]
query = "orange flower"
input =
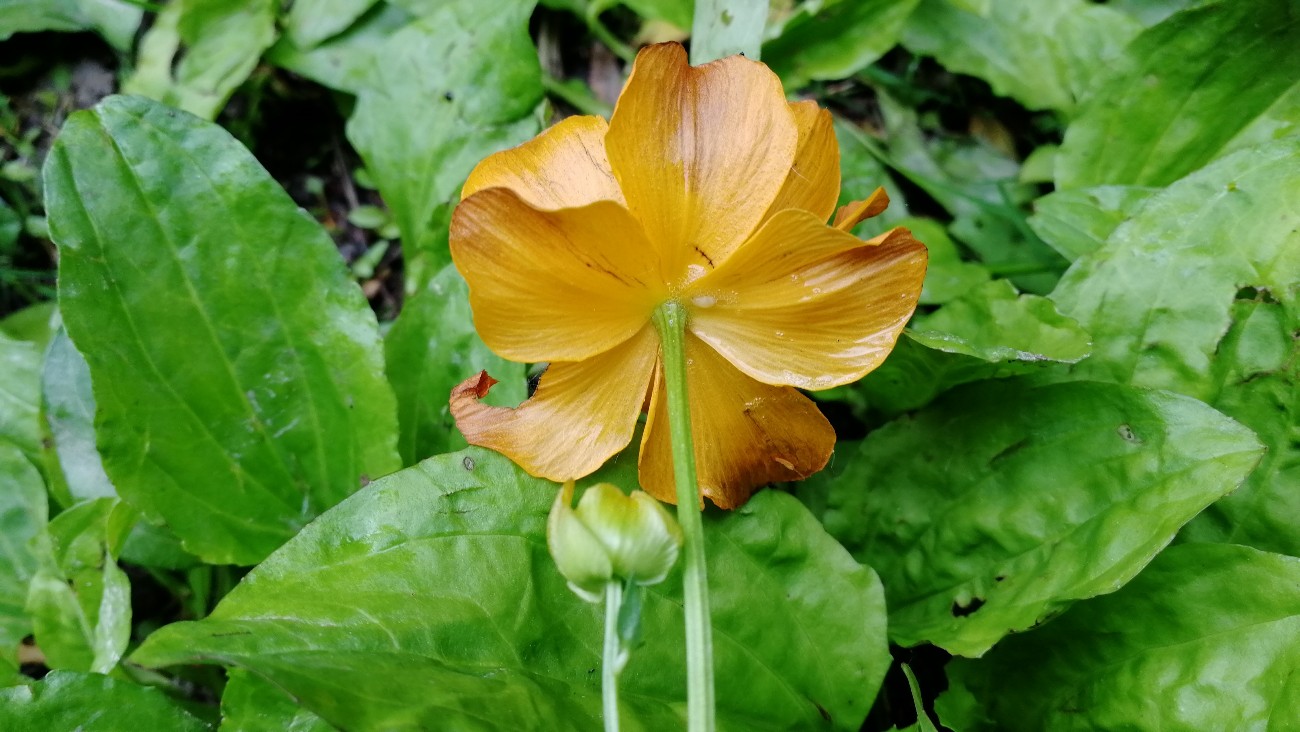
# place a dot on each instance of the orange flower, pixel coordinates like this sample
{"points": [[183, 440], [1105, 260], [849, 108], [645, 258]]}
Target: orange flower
{"points": [[708, 188]]}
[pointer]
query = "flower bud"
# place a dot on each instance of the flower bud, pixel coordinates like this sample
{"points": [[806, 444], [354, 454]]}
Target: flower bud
{"points": [[611, 536]]}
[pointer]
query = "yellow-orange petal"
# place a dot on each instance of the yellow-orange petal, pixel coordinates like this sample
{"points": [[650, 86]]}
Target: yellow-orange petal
{"points": [[855, 212], [699, 152], [553, 285], [806, 305], [747, 433], [564, 167], [813, 183], [581, 414]]}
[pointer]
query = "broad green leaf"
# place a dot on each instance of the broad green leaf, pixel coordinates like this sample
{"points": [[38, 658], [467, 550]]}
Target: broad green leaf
{"points": [[947, 275], [237, 368], [33, 323], [22, 516], [429, 599], [430, 349], [1203, 639], [835, 39], [350, 61], [991, 332], [66, 700], [1044, 54], [79, 599], [20, 396], [721, 28], [252, 704], [1200, 293], [1157, 117], [199, 51], [1001, 503], [115, 20], [309, 22], [1151, 12], [450, 88], [1077, 222], [862, 171], [70, 411]]}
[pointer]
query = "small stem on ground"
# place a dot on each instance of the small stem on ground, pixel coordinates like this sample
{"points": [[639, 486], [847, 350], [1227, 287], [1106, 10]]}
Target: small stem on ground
{"points": [[613, 659], [670, 320]]}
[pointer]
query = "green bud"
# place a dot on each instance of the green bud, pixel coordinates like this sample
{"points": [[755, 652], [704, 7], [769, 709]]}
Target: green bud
{"points": [[611, 536]]}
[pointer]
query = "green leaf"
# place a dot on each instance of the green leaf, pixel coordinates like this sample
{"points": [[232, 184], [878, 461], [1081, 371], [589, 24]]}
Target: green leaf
{"points": [[947, 275], [20, 396], [309, 22], [677, 12], [65, 700], [862, 170], [420, 133], [721, 28], [1036, 496], [835, 39], [1200, 293], [481, 631], [1157, 117], [239, 385], [430, 349], [70, 411], [22, 516], [980, 186], [1077, 222], [79, 599], [1044, 54], [199, 51], [252, 704], [991, 332], [350, 61], [115, 20], [32, 323], [1204, 638]]}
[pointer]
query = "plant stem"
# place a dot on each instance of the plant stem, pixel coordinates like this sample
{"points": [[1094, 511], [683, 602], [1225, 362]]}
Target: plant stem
{"points": [[670, 320], [727, 27], [603, 34], [576, 94], [613, 658]]}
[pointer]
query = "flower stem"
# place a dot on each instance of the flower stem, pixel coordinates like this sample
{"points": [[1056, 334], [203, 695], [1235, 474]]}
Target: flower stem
{"points": [[613, 658], [670, 320]]}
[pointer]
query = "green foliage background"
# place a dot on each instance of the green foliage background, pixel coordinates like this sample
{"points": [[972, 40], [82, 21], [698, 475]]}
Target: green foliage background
{"points": [[1078, 474]]}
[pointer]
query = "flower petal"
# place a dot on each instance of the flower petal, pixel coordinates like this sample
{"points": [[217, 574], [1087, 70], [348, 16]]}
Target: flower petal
{"points": [[700, 152], [746, 433], [855, 212], [806, 305], [813, 183], [564, 167], [580, 415], [553, 285]]}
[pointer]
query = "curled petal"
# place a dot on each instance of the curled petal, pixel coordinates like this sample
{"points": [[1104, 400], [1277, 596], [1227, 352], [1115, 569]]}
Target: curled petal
{"points": [[806, 305], [813, 183], [746, 433], [581, 414], [564, 167], [851, 214], [699, 152], [553, 285]]}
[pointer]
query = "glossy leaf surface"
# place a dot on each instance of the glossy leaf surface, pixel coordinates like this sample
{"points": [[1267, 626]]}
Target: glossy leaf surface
{"points": [[22, 517], [431, 348], [455, 615], [835, 39], [1035, 497], [66, 700], [449, 89], [237, 370], [1156, 117], [1173, 650], [1200, 293]]}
